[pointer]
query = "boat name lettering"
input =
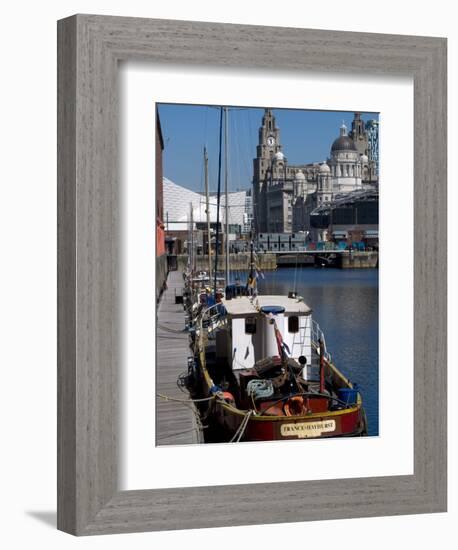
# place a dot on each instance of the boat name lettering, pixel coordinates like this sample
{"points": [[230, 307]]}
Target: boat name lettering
{"points": [[307, 429]]}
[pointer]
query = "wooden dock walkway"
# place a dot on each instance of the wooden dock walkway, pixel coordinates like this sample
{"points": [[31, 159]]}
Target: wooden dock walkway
{"points": [[175, 423]]}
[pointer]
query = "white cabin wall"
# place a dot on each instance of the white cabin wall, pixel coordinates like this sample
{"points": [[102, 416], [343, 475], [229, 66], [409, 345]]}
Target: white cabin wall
{"points": [[246, 348], [300, 343], [270, 347], [249, 348]]}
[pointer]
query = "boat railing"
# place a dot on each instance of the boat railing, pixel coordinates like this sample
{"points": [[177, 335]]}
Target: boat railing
{"points": [[318, 338], [212, 317]]}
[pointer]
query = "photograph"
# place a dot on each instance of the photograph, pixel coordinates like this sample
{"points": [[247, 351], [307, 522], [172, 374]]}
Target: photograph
{"points": [[267, 280]]}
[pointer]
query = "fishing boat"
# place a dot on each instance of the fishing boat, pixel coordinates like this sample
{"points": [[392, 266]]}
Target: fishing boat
{"points": [[260, 371], [259, 368]]}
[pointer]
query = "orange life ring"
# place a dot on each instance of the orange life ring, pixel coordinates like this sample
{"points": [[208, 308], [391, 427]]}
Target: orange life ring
{"points": [[295, 406], [227, 396]]}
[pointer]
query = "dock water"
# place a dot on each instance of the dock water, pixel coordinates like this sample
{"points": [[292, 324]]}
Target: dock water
{"points": [[176, 423]]}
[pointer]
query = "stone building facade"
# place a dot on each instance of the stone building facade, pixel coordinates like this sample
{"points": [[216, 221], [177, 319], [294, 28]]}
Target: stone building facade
{"points": [[285, 194]]}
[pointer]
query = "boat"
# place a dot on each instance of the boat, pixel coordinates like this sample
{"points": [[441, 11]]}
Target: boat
{"points": [[259, 368], [260, 371], [198, 292]]}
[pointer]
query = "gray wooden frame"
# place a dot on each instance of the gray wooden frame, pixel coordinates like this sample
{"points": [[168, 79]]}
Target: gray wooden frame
{"points": [[89, 48]]}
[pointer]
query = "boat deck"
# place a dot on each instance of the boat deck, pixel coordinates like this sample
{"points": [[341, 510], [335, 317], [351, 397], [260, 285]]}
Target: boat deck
{"points": [[176, 424]]}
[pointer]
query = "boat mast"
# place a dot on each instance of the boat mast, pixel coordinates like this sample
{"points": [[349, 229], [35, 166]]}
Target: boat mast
{"points": [[226, 194], [191, 226], [251, 275], [207, 211], [218, 200]]}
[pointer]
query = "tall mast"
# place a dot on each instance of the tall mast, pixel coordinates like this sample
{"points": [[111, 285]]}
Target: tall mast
{"points": [[226, 194], [191, 219], [207, 211], [251, 282], [218, 196]]}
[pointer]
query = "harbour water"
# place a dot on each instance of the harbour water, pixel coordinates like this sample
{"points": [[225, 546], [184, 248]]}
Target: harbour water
{"points": [[345, 304]]}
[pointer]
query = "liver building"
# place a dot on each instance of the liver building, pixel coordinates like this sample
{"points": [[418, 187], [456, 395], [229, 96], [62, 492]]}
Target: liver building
{"points": [[284, 194]]}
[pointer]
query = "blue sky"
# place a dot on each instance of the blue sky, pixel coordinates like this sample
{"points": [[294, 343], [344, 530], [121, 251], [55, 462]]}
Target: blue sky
{"points": [[306, 136]]}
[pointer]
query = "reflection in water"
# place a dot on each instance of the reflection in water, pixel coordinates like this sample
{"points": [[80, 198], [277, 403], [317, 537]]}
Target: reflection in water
{"points": [[345, 304]]}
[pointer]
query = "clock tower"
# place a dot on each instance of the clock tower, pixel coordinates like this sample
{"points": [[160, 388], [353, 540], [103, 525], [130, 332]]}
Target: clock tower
{"points": [[268, 146]]}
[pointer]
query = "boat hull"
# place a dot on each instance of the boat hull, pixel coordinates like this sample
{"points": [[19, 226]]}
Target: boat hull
{"points": [[343, 423]]}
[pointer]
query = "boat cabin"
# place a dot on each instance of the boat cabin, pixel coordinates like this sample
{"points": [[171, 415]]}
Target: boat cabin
{"points": [[249, 332]]}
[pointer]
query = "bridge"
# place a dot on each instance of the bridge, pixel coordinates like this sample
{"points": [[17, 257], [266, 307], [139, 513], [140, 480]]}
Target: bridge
{"points": [[308, 252]]}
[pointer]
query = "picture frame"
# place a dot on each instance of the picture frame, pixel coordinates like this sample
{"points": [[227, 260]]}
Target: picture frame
{"points": [[89, 50]]}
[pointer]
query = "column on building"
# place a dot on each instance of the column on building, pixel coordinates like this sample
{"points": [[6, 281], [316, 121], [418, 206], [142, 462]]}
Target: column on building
{"points": [[324, 184]]}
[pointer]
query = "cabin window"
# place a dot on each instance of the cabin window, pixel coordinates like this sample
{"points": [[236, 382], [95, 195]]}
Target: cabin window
{"points": [[293, 324], [250, 325]]}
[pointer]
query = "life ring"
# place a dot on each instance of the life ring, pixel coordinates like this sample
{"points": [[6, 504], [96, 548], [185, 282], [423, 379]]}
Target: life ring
{"points": [[295, 406], [227, 396]]}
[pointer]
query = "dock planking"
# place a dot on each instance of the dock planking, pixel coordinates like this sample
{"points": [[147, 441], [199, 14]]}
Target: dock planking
{"points": [[175, 422]]}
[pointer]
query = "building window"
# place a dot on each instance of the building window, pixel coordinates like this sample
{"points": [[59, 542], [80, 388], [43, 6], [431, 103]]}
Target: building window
{"points": [[250, 325], [293, 324]]}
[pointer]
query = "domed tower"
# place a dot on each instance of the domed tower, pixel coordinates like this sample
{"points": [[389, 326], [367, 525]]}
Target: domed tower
{"points": [[345, 164], [279, 166]]}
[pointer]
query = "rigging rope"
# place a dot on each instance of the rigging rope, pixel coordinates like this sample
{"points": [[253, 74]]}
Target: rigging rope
{"points": [[241, 429], [184, 401]]}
